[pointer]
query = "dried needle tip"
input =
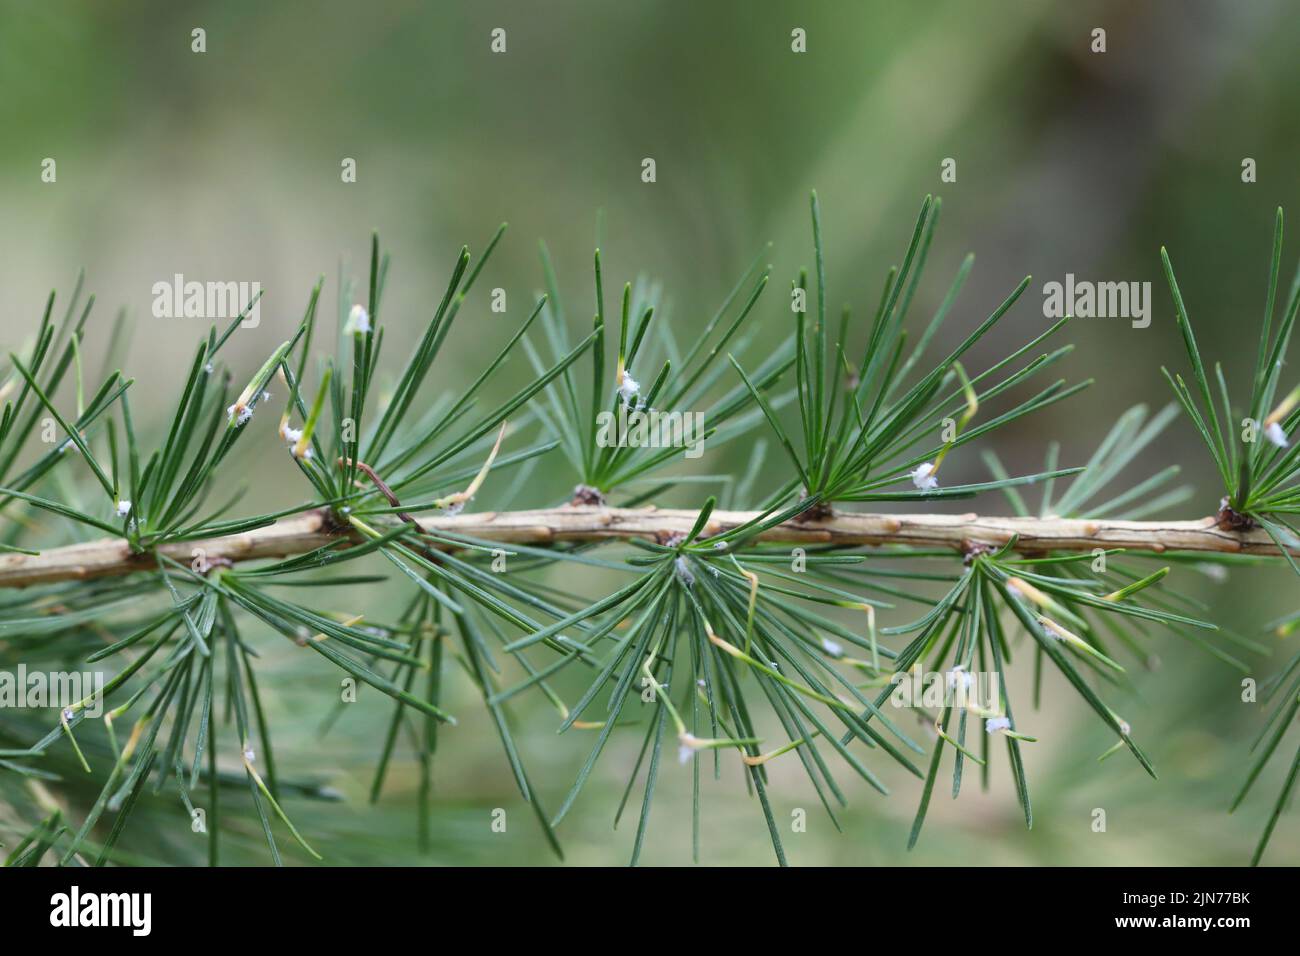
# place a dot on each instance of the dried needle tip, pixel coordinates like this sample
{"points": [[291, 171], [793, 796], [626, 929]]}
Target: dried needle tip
{"points": [[454, 503]]}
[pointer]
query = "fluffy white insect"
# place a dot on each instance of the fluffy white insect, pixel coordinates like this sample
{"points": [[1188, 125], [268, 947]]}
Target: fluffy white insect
{"points": [[689, 745], [1275, 434], [994, 724], [684, 572], [240, 413], [628, 387], [959, 675], [123, 508], [358, 321], [1215, 572], [1052, 629], [923, 477]]}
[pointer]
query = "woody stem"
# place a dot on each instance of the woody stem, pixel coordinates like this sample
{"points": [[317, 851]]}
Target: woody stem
{"points": [[961, 533]]}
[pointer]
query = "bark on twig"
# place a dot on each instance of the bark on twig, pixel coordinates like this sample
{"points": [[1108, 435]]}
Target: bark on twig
{"points": [[305, 532]]}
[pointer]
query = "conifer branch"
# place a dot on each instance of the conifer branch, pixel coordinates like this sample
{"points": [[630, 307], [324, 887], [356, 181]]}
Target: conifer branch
{"points": [[718, 612]]}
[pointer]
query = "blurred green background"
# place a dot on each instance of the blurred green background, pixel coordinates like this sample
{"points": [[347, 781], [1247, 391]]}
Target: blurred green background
{"points": [[226, 165]]}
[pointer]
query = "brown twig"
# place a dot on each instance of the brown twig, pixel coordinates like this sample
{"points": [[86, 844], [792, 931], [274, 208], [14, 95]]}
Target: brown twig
{"points": [[383, 488], [961, 533]]}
